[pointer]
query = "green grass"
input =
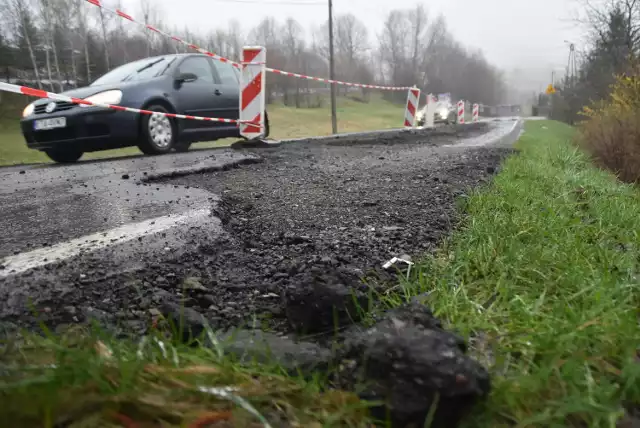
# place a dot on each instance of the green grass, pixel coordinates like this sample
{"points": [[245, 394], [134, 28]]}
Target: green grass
{"points": [[542, 273], [81, 380], [545, 273], [286, 122]]}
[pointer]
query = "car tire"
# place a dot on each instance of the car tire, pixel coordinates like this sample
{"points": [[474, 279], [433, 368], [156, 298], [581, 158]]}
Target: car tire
{"points": [[157, 132], [64, 155], [182, 147]]}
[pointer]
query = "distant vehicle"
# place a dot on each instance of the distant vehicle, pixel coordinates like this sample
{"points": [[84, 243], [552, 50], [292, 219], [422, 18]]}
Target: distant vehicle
{"points": [[444, 113], [190, 84]]}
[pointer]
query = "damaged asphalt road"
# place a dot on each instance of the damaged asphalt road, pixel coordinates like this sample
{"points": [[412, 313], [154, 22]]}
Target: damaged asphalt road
{"points": [[259, 231], [275, 238]]}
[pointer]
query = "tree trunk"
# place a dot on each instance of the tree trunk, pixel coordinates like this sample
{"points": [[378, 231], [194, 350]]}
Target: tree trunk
{"points": [[74, 70], [56, 63], [30, 47], [86, 58], [49, 68], [104, 39]]}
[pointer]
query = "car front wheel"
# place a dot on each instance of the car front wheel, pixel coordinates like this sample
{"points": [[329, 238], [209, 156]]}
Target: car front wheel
{"points": [[64, 155], [157, 133]]}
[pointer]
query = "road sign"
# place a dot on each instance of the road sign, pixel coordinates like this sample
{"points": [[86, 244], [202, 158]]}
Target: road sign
{"points": [[550, 89]]}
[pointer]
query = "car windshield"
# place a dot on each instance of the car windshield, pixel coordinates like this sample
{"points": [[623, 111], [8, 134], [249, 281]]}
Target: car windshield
{"points": [[138, 70]]}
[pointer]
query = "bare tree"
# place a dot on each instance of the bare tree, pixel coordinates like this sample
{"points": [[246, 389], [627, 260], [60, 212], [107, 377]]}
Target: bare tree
{"points": [[394, 43], [48, 16], [419, 24], [234, 40], [20, 19], [411, 48], [105, 37], [82, 23], [293, 46], [122, 37]]}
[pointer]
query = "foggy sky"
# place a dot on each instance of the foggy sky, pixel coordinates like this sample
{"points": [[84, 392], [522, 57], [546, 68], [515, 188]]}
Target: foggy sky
{"points": [[525, 34]]}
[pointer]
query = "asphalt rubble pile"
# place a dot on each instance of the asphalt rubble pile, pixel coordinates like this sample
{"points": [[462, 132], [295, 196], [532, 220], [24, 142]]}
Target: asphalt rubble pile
{"points": [[405, 359]]}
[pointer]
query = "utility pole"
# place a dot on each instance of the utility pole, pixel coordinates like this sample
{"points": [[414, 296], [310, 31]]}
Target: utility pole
{"points": [[572, 66], [332, 72], [572, 74]]}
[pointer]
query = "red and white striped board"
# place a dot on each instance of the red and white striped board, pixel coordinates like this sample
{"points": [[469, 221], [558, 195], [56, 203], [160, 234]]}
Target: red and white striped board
{"points": [[413, 98], [461, 112], [252, 92], [39, 93], [476, 113]]}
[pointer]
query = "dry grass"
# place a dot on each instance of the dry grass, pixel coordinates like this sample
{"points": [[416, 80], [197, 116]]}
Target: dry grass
{"points": [[611, 132], [613, 139]]}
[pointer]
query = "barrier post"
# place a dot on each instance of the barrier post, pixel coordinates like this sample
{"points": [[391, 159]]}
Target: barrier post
{"points": [[461, 112], [412, 105], [252, 92], [476, 113], [430, 121]]}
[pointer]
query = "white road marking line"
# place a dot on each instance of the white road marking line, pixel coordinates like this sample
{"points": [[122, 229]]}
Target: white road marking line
{"points": [[23, 262]]}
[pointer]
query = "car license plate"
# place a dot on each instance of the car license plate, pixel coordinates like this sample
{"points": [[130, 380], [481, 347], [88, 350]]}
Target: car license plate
{"points": [[52, 123]]}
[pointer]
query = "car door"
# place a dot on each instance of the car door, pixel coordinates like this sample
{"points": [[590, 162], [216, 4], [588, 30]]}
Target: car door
{"points": [[195, 97], [227, 101]]}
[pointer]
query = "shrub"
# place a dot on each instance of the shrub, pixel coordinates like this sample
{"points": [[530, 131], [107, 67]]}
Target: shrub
{"points": [[611, 131]]}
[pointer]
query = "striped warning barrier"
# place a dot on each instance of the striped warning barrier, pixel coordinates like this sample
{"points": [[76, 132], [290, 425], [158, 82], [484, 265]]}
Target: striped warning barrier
{"points": [[252, 92], [412, 106], [461, 112], [476, 113], [24, 90]]}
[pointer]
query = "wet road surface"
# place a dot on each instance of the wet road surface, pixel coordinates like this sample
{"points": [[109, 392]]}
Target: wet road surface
{"points": [[45, 205]]}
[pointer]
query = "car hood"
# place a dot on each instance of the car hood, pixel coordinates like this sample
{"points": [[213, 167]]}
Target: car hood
{"points": [[88, 91]]}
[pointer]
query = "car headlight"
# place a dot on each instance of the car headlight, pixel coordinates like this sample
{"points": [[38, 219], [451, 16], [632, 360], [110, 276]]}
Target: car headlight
{"points": [[106, 97], [28, 110], [443, 113]]}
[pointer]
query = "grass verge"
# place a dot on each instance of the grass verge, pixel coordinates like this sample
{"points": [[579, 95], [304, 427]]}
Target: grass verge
{"points": [[286, 122], [544, 277]]}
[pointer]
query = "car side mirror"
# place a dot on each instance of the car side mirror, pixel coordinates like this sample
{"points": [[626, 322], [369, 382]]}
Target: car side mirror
{"points": [[186, 77]]}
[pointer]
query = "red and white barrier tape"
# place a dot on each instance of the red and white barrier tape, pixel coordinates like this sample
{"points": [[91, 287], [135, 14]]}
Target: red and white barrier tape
{"points": [[24, 90], [358, 85], [149, 27]]}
